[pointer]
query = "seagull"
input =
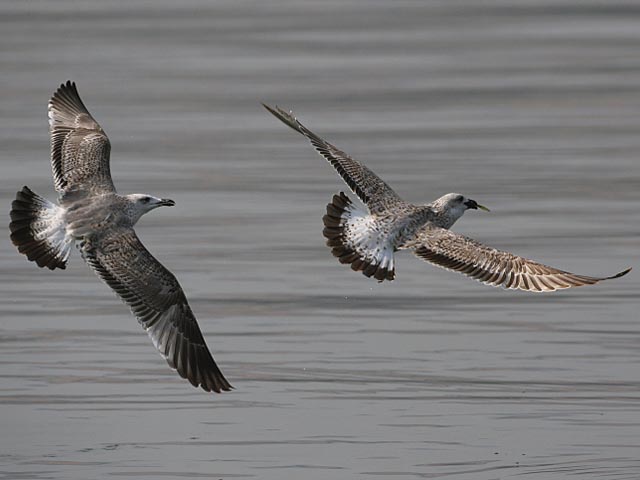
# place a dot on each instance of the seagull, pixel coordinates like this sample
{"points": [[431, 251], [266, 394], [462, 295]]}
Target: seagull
{"points": [[92, 215], [366, 238]]}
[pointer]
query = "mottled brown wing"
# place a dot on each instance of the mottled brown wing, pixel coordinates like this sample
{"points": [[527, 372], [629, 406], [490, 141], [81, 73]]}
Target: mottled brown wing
{"points": [[370, 188], [79, 147], [158, 302], [493, 267]]}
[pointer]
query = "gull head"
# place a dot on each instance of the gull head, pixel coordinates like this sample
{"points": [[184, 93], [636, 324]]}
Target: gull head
{"points": [[451, 207], [141, 203]]}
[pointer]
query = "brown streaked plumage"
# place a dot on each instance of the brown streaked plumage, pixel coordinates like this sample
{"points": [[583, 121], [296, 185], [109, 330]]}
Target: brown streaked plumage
{"points": [[79, 147], [91, 214], [366, 239], [493, 267], [369, 188]]}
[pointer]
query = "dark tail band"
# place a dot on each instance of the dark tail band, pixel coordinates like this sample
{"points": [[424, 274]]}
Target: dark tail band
{"points": [[37, 230], [339, 212]]}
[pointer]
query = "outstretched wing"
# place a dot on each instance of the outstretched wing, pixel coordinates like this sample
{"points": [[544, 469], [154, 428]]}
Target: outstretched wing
{"points": [[157, 301], [370, 188], [493, 267], [79, 147]]}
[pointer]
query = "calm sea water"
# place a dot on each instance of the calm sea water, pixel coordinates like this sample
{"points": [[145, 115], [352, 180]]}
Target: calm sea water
{"points": [[530, 109]]}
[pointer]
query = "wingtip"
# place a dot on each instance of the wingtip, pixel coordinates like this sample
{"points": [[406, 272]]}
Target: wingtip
{"points": [[269, 107], [65, 96], [68, 85], [224, 387], [278, 112], [620, 274], [286, 117]]}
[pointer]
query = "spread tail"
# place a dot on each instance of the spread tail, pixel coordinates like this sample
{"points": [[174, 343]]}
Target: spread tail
{"points": [[355, 237], [38, 230]]}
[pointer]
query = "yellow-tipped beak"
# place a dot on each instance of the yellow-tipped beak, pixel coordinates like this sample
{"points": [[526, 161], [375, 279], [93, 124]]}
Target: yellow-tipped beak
{"points": [[482, 207]]}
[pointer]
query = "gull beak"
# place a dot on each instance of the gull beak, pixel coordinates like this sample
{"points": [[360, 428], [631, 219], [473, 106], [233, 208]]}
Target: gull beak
{"points": [[166, 202], [475, 205]]}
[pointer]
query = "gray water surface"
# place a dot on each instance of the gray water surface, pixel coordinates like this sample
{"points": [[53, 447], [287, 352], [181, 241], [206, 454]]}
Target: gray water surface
{"points": [[533, 110]]}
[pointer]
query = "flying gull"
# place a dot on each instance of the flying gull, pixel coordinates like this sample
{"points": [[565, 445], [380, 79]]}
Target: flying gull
{"points": [[91, 214], [368, 238]]}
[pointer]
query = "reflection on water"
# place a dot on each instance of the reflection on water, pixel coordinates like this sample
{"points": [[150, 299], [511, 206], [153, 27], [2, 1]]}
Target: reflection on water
{"points": [[531, 109]]}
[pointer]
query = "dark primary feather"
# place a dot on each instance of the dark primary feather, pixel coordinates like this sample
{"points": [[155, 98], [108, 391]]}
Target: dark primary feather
{"points": [[370, 188], [79, 147], [493, 267], [158, 302]]}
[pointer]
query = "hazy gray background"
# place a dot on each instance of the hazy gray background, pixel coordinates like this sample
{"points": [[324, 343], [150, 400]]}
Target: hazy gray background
{"points": [[533, 110]]}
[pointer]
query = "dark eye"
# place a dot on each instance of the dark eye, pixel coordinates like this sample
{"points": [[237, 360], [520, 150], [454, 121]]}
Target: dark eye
{"points": [[459, 198], [145, 200]]}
